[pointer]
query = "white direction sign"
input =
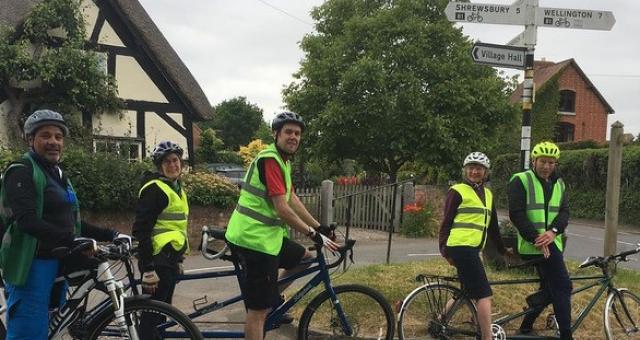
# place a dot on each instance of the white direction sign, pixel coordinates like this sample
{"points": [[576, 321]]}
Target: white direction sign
{"points": [[575, 18], [486, 13], [499, 55]]}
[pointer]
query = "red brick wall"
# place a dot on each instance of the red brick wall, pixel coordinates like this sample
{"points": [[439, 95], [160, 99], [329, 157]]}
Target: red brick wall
{"points": [[590, 121]]}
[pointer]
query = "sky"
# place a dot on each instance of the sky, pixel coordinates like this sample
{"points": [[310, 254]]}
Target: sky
{"points": [[251, 48]]}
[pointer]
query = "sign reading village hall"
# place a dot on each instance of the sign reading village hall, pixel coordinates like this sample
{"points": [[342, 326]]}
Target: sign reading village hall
{"points": [[499, 55], [485, 13]]}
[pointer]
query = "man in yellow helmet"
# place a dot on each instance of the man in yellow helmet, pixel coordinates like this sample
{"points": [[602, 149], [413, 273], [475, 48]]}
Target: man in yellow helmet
{"points": [[539, 209]]}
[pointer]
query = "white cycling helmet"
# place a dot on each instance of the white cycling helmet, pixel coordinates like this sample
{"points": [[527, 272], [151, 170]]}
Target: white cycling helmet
{"points": [[477, 158]]}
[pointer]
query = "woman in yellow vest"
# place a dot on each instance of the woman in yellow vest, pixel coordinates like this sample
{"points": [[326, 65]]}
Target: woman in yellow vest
{"points": [[469, 216], [160, 227]]}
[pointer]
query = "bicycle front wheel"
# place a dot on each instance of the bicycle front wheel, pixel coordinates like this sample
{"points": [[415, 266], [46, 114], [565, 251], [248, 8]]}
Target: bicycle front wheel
{"points": [[366, 314], [149, 319], [622, 315], [437, 312]]}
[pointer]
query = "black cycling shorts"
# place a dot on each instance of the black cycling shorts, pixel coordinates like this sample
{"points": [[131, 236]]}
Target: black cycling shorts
{"points": [[470, 271], [260, 287]]}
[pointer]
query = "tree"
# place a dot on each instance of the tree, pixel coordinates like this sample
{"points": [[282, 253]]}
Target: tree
{"points": [[39, 67], [210, 147], [263, 133], [236, 121], [251, 150], [387, 82]]}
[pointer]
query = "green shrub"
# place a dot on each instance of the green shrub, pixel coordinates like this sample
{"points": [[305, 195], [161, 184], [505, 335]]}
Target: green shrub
{"points": [[7, 156], [583, 144], [418, 221], [229, 156], [103, 181], [206, 189]]}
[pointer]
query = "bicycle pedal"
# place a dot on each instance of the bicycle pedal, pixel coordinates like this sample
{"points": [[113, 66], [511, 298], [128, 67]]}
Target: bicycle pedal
{"points": [[199, 302]]}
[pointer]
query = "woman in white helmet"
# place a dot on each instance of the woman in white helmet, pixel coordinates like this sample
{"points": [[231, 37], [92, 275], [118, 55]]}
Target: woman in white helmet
{"points": [[469, 216]]}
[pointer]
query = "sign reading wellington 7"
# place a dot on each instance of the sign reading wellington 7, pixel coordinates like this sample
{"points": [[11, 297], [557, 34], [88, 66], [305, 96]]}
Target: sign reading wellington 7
{"points": [[499, 55], [575, 18], [486, 13]]}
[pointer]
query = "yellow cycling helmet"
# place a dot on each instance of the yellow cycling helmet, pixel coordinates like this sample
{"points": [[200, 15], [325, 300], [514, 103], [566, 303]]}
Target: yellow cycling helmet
{"points": [[546, 149]]}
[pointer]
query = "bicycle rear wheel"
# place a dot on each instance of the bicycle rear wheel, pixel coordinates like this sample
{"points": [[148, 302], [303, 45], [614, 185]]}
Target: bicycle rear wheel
{"points": [[622, 315], [368, 315], [171, 322], [437, 312]]}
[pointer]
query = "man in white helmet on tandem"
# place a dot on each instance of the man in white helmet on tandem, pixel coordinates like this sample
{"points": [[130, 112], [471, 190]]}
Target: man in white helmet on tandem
{"points": [[257, 230], [469, 216]]}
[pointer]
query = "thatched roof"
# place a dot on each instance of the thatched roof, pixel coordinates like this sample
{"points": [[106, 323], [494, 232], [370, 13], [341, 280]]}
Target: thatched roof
{"points": [[149, 39]]}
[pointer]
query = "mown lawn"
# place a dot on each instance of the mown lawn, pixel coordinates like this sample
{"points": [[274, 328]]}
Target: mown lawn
{"points": [[397, 280]]}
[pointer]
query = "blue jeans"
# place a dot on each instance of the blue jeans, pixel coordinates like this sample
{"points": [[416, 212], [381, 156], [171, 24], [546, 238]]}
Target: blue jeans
{"points": [[28, 305]]}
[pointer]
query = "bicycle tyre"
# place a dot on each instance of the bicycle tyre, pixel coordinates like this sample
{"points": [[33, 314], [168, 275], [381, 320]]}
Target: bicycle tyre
{"points": [[103, 327], [422, 309], [368, 312], [621, 322]]}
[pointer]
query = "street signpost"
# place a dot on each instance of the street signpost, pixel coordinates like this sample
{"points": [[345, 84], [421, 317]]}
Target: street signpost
{"points": [[499, 55], [518, 53]]}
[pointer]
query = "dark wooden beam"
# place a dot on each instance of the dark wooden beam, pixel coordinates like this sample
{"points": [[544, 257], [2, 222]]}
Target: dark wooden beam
{"points": [[173, 123], [118, 50], [111, 64], [142, 105], [87, 120], [95, 33], [188, 123], [140, 131]]}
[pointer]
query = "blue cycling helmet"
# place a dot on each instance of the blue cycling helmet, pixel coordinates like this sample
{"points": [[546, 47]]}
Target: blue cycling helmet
{"points": [[40, 118], [164, 148], [287, 117]]}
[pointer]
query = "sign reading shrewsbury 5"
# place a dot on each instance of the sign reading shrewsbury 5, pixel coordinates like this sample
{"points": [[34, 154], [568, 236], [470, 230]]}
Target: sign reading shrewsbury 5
{"points": [[485, 13]]}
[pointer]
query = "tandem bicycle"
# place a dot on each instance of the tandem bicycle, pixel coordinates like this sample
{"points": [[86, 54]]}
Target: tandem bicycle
{"points": [[341, 311], [439, 309]]}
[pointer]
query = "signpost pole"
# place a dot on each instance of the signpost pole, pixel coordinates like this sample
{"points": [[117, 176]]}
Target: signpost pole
{"points": [[527, 105]]}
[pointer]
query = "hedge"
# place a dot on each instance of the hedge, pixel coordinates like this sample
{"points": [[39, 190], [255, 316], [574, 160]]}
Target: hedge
{"points": [[105, 182], [585, 174]]}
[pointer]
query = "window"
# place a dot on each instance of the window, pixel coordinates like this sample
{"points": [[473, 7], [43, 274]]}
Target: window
{"points": [[567, 101], [565, 132], [124, 148]]}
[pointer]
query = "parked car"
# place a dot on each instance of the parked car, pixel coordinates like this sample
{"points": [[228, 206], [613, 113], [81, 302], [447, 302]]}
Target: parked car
{"points": [[234, 172]]}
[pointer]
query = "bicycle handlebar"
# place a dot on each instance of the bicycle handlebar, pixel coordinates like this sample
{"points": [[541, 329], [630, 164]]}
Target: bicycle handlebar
{"points": [[601, 262]]}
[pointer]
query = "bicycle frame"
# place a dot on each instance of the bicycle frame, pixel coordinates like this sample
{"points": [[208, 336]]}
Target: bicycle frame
{"points": [[603, 281], [272, 321]]}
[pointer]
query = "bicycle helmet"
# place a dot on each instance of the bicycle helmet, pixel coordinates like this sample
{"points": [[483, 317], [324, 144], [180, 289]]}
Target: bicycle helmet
{"points": [[40, 118], [477, 158], [287, 117], [546, 149], [164, 148]]}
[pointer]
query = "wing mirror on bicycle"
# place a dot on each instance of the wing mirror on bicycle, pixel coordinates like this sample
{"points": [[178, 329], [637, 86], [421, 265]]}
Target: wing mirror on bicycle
{"points": [[589, 261]]}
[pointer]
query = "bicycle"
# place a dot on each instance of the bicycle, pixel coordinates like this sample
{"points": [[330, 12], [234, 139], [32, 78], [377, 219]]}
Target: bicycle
{"points": [[439, 310], [117, 316], [339, 311], [475, 16]]}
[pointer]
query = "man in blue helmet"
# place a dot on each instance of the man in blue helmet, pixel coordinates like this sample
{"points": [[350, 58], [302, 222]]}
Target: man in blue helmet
{"points": [[257, 229], [41, 212]]}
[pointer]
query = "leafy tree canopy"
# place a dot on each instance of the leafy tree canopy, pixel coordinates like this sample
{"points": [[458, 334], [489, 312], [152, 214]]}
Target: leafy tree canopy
{"points": [[388, 82], [236, 122], [45, 64]]}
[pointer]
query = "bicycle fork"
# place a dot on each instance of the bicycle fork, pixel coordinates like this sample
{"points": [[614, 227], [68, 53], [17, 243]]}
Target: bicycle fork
{"points": [[117, 295]]}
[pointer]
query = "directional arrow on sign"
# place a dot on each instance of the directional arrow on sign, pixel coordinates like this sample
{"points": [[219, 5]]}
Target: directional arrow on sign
{"points": [[499, 55], [486, 13], [575, 18]]}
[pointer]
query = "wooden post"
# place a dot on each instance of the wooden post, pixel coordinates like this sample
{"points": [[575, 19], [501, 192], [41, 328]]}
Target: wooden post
{"points": [[326, 202], [613, 188]]}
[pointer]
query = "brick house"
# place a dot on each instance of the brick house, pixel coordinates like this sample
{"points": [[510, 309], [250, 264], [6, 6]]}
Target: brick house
{"points": [[582, 110]]}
